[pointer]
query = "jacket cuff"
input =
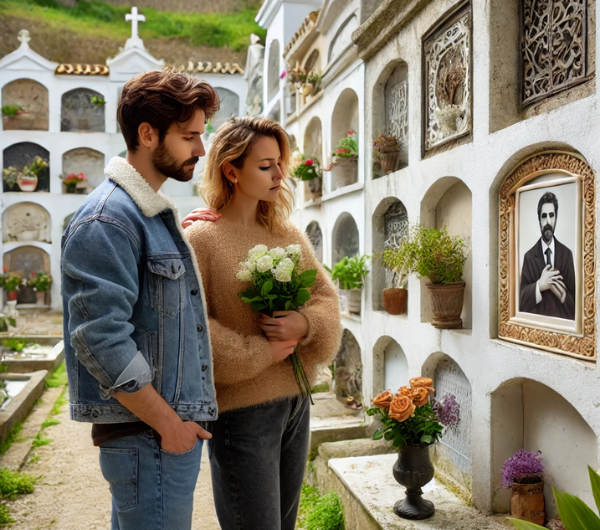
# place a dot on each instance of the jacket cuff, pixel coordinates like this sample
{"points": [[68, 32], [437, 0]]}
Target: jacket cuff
{"points": [[136, 376]]}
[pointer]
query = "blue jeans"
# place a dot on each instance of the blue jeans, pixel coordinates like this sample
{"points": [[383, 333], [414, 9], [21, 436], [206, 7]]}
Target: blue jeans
{"points": [[151, 489], [257, 459]]}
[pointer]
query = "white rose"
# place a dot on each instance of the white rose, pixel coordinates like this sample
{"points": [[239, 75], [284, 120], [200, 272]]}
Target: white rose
{"points": [[254, 254], [282, 276], [286, 265], [249, 265], [264, 263], [245, 276], [277, 253], [295, 250]]}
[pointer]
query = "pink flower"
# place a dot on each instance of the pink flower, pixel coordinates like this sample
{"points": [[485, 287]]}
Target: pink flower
{"points": [[33, 273], [351, 132], [309, 162], [283, 74]]}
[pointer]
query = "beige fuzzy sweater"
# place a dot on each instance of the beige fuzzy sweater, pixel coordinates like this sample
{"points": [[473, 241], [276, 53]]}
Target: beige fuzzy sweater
{"points": [[244, 371]]}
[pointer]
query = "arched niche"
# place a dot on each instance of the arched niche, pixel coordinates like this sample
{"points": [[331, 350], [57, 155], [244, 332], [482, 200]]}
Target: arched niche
{"points": [[390, 366], [23, 261], [26, 221], [529, 415], [273, 70], [348, 370], [32, 98], [87, 161], [23, 154], [391, 112], [344, 118], [453, 454], [315, 236], [343, 37], [82, 110], [389, 228], [448, 203], [345, 238], [313, 148], [312, 62], [67, 220], [230, 107]]}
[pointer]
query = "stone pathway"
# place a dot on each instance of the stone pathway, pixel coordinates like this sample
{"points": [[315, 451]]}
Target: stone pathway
{"points": [[71, 494]]}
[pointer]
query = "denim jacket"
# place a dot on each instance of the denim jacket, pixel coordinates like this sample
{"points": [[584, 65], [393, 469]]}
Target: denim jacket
{"points": [[134, 309]]}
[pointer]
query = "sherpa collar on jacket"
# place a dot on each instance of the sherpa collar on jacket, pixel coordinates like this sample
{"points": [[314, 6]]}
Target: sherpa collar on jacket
{"points": [[125, 175]]}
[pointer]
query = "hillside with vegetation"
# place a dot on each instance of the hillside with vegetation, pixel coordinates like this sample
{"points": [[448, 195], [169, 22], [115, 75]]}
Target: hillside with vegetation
{"points": [[79, 31]]}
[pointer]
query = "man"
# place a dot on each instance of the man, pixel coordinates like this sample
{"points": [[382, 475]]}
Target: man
{"points": [[136, 338], [548, 276]]}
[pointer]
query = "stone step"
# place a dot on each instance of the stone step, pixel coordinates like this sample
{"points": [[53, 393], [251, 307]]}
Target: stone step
{"points": [[360, 472]]}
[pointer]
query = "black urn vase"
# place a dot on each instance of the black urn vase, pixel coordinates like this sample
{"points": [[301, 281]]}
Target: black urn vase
{"points": [[413, 469]]}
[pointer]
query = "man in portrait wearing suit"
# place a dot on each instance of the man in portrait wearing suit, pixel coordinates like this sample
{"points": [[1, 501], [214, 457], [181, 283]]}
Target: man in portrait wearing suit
{"points": [[548, 276]]}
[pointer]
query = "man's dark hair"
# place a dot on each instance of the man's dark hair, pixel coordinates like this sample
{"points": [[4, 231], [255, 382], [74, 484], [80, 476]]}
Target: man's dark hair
{"points": [[547, 198], [161, 98]]}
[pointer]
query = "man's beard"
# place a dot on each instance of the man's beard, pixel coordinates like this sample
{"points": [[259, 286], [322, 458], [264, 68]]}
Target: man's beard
{"points": [[547, 233], [165, 162]]}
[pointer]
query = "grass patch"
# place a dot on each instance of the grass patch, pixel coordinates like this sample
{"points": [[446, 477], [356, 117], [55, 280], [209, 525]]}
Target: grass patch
{"points": [[49, 423], [58, 377], [95, 17], [318, 512], [13, 483], [13, 435], [5, 517], [58, 404], [40, 439], [323, 387]]}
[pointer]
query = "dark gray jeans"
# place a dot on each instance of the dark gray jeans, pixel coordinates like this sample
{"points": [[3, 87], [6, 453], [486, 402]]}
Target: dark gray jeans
{"points": [[257, 459]]}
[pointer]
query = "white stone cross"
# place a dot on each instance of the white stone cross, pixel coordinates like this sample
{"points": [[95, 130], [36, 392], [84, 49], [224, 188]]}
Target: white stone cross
{"points": [[134, 18], [24, 38]]}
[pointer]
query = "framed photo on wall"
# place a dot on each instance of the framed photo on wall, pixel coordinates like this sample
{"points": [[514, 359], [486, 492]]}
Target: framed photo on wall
{"points": [[547, 255]]}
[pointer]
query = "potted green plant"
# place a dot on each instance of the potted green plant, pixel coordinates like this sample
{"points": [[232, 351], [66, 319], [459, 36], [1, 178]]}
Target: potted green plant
{"points": [[410, 424], [16, 117], [350, 274], [11, 284], [435, 255], [345, 159], [41, 283], [522, 472], [27, 179], [386, 152], [307, 170], [395, 298], [98, 101], [72, 180]]}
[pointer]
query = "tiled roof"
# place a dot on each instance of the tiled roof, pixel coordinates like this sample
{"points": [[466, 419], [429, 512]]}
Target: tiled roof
{"points": [[209, 68], [82, 69], [307, 25]]}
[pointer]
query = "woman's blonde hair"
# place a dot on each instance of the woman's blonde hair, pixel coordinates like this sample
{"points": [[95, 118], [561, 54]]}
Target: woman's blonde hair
{"points": [[232, 143]]}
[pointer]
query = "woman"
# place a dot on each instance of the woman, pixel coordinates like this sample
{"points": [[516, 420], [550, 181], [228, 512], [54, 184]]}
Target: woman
{"points": [[260, 441]]}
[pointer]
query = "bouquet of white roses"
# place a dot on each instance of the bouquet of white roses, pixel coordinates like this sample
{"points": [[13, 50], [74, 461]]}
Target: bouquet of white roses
{"points": [[278, 285]]}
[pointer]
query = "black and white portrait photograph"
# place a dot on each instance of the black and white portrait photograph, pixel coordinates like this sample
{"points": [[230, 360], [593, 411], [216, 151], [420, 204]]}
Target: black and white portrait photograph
{"points": [[548, 251]]}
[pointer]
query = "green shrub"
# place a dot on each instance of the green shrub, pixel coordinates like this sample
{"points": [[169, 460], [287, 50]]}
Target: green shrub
{"points": [[350, 272], [15, 345], [13, 483], [58, 377]]}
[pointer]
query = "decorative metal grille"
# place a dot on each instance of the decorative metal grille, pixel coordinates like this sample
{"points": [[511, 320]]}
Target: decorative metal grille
{"points": [[395, 230], [450, 379], [553, 46], [396, 104], [447, 70]]}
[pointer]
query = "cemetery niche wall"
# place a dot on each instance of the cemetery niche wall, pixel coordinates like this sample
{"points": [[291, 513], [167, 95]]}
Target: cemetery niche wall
{"points": [[348, 371], [26, 221], [313, 148], [23, 154], [273, 70], [389, 227], [87, 161], [547, 221], [24, 106], [82, 109], [344, 119], [345, 239], [24, 260], [230, 107], [315, 236], [390, 366], [447, 81]]}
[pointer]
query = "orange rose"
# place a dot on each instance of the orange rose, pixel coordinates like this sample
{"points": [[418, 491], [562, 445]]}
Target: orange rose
{"points": [[422, 382], [420, 396], [401, 408], [384, 400], [405, 391]]}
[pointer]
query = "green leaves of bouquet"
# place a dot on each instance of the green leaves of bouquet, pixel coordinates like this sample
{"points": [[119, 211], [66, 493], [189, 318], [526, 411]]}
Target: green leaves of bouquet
{"points": [[277, 284]]}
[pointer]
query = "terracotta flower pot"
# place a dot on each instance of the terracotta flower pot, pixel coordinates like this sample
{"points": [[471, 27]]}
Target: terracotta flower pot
{"points": [[446, 304], [389, 161], [346, 171], [12, 295], [413, 470], [395, 301], [27, 182], [40, 298], [527, 502]]}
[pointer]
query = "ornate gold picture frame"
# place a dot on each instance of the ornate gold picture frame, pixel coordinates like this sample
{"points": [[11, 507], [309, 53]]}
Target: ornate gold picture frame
{"points": [[547, 171]]}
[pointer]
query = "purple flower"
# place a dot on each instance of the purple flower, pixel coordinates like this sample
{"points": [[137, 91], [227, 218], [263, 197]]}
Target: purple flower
{"points": [[521, 464], [447, 411], [283, 74]]}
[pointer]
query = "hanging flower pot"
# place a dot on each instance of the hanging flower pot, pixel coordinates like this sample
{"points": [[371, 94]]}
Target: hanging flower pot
{"points": [[395, 300], [446, 304], [527, 502], [27, 182]]}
